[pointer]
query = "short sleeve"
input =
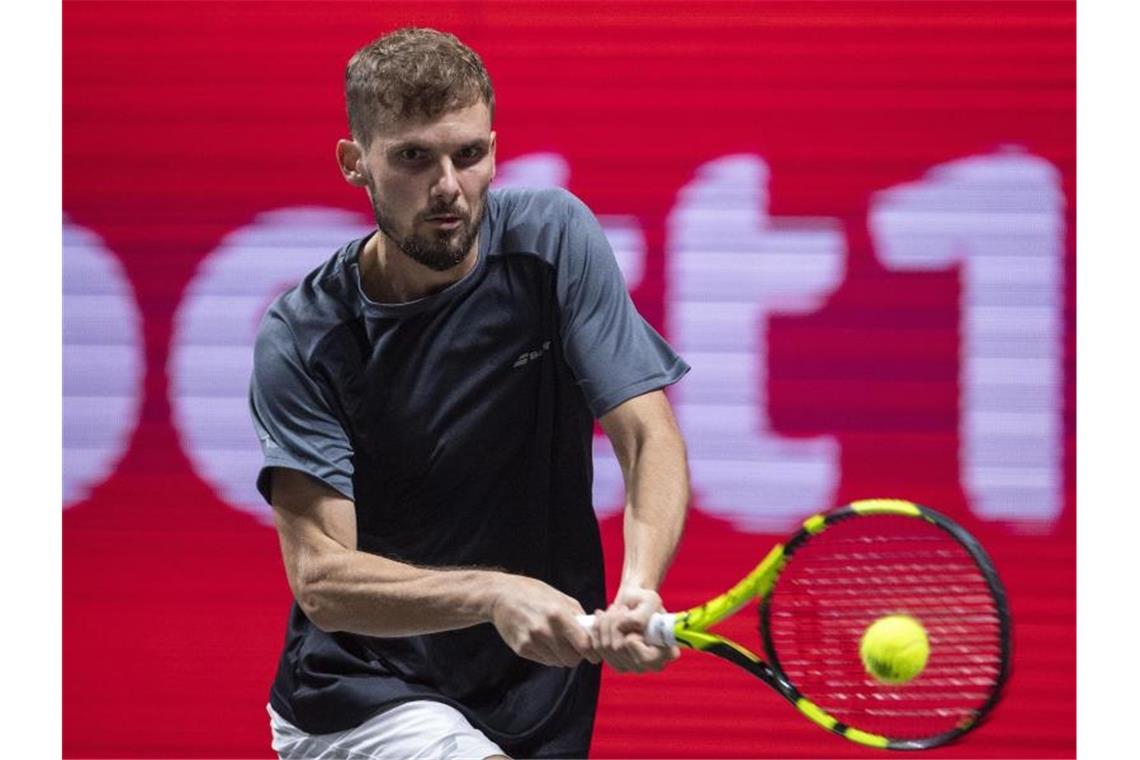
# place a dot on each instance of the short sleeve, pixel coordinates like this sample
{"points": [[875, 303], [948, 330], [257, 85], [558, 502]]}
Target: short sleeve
{"points": [[293, 419], [614, 353]]}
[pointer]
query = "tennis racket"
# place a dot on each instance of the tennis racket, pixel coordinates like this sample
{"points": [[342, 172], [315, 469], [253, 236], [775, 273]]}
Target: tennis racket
{"points": [[822, 588]]}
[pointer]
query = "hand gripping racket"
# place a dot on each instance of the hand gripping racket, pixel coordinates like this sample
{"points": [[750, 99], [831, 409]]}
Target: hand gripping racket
{"points": [[822, 588]]}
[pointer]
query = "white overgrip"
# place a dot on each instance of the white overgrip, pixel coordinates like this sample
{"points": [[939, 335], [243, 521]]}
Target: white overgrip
{"points": [[659, 632]]}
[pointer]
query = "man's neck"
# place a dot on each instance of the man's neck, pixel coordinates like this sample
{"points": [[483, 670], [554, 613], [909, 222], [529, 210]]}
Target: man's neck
{"points": [[389, 275]]}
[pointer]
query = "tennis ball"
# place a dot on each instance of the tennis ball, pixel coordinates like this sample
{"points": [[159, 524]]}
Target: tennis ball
{"points": [[894, 648]]}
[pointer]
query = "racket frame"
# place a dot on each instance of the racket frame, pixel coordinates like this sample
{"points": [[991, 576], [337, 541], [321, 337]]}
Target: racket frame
{"points": [[690, 628]]}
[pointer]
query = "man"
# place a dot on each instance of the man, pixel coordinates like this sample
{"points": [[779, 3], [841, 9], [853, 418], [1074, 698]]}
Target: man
{"points": [[425, 402]]}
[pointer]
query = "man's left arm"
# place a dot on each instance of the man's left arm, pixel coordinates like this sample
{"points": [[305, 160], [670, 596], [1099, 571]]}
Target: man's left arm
{"points": [[651, 452]]}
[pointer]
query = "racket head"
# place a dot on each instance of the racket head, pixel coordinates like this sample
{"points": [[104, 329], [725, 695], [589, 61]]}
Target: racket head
{"points": [[847, 568]]}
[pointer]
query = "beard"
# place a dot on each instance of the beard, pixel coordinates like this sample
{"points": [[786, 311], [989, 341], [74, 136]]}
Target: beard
{"points": [[439, 250]]}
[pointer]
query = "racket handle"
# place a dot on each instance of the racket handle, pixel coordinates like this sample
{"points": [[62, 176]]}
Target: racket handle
{"points": [[659, 632]]}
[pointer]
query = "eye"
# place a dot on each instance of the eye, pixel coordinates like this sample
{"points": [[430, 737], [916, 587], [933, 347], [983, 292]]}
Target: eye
{"points": [[469, 155], [411, 155]]}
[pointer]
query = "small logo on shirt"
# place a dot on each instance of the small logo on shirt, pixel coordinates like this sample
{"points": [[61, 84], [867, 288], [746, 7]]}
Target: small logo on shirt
{"points": [[530, 356]]}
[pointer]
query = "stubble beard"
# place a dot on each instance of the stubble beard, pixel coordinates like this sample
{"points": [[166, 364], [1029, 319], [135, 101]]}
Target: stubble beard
{"points": [[440, 252]]}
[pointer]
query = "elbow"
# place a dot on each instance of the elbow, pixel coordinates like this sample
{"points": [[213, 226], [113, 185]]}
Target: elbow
{"points": [[317, 611], [313, 591]]}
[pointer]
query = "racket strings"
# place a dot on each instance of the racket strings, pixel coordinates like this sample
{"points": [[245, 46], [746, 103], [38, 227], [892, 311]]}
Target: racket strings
{"points": [[845, 578]]}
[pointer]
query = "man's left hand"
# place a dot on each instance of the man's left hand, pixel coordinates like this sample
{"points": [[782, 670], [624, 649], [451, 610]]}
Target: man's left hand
{"points": [[618, 633]]}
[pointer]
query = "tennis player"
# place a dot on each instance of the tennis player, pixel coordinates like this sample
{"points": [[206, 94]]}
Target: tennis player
{"points": [[425, 402]]}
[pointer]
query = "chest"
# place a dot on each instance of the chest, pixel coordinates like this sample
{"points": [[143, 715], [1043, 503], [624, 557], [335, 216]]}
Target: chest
{"points": [[420, 390]]}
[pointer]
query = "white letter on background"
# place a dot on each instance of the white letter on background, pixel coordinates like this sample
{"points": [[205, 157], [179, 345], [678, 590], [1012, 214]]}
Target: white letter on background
{"points": [[211, 355], [1001, 218], [103, 362], [730, 267]]}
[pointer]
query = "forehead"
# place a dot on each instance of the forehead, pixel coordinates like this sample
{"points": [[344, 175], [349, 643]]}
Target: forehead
{"points": [[458, 126]]}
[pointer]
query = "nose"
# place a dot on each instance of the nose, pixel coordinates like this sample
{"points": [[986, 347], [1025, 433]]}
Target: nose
{"points": [[446, 186]]}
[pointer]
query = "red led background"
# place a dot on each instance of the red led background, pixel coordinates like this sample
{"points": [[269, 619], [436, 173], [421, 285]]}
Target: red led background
{"points": [[184, 121]]}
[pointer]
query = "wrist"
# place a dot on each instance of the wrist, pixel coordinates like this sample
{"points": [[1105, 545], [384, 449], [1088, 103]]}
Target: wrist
{"points": [[636, 583], [488, 592], [632, 595]]}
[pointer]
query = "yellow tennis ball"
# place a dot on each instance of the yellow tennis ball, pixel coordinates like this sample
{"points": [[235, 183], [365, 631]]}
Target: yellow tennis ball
{"points": [[894, 648]]}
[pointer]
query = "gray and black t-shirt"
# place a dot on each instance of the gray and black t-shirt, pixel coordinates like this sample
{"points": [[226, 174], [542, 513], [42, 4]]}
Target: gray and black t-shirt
{"points": [[461, 427]]}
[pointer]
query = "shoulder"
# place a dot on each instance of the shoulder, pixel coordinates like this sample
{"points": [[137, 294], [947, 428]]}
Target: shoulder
{"points": [[541, 221], [306, 312], [537, 206]]}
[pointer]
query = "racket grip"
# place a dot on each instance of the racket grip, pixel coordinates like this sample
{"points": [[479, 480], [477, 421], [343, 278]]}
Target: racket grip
{"points": [[659, 632]]}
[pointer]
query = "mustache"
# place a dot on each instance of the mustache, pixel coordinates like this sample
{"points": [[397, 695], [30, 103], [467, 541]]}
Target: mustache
{"points": [[444, 211]]}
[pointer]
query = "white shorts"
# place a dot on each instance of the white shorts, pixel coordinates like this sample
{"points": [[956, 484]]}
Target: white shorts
{"points": [[418, 729]]}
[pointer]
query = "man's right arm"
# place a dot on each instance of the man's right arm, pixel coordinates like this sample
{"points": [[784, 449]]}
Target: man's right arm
{"points": [[340, 588]]}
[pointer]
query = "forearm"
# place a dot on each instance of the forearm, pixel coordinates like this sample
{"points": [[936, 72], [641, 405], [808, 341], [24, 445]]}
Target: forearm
{"points": [[348, 590], [657, 488]]}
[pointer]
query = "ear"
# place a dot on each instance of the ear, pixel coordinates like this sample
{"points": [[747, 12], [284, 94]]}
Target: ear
{"points": [[350, 158]]}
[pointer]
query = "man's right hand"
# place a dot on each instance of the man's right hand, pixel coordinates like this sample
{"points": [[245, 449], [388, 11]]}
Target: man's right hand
{"points": [[539, 622]]}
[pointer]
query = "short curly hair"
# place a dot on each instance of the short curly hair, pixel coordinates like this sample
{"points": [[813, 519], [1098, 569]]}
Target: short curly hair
{"points": [[410, 73]]}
